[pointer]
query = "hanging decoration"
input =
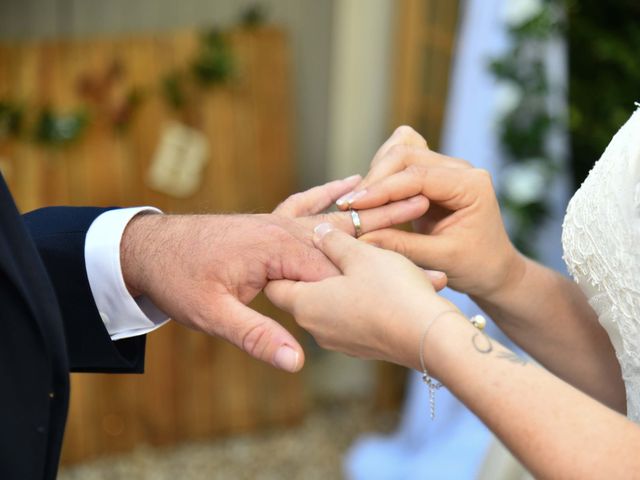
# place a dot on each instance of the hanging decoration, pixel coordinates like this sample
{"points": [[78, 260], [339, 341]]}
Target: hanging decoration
{"points": [[525, 119], [179, 160], [107, 93]]}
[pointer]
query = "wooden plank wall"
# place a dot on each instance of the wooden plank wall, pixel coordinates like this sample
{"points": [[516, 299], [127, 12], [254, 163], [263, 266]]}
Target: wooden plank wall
{"points": [[194, 386]]}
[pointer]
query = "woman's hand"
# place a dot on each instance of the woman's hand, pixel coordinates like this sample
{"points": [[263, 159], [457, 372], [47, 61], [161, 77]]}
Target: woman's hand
{"points": [[462, 233], [378, 308], [306, 210]]}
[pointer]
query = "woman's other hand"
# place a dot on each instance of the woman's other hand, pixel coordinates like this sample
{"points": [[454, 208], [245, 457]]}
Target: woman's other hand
{"points": [[378, 308]]}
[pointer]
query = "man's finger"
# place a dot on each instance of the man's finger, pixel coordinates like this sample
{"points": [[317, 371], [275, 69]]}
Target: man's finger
{"points": [[316, 199], [425, 251], [381, 217], [343, 250], [259, 336]]}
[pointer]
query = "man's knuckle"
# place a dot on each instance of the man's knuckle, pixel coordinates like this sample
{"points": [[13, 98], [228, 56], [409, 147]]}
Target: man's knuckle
{"points": [[256, 339], [275, 232]]}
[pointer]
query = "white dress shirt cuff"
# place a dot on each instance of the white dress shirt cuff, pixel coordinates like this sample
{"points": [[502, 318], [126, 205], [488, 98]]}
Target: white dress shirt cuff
{"points": [[123, 316]]}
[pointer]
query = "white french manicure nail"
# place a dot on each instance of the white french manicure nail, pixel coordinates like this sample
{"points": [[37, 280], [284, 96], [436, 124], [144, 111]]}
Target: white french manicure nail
{"points": [[356, 196], [343, 199], [351, 197]]}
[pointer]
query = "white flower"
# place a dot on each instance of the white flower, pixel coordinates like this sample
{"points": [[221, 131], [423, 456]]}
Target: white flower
{"points": [[516, 12], [508, 97], [525, 182]]}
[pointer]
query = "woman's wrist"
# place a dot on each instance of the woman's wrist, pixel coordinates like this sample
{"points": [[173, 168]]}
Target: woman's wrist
{"points": [[441, 342], [514, 272], [425, 324]]}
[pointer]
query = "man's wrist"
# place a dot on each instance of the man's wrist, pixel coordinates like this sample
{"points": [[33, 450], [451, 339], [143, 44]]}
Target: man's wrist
{"points": [[136, 247]]}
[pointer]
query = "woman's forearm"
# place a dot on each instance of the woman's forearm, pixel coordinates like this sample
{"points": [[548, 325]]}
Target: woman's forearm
{"points": [[554, 429], [548, 316]]}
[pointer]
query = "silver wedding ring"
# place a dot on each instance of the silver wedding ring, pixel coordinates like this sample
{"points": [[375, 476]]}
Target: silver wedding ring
{"points": [[357, 225]]}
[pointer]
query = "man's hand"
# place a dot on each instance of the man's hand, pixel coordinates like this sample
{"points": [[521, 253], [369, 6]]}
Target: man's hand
{"points": [[202, 270]]}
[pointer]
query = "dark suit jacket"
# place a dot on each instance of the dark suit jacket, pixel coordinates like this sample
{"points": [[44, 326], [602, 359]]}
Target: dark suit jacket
{"points": [[49, 325]]}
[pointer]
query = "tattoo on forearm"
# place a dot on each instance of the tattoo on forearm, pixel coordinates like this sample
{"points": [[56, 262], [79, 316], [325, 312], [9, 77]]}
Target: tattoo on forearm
{"points": [[513, 358], [482, 342]]}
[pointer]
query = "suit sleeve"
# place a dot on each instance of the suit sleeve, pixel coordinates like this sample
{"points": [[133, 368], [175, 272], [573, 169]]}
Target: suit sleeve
{"points": [[59, 234]]}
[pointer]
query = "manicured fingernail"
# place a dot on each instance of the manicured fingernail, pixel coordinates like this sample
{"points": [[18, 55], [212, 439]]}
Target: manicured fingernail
{"points": [[342, 201], [416, 199], [352, 178], [286, 358], [321, 230], [351, 197], [356, 196]]}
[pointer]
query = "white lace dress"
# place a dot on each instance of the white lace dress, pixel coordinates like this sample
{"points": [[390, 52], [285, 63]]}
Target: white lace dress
{"points": [[601, 241]]}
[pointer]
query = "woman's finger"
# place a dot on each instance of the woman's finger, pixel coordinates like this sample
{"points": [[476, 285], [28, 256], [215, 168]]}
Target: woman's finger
{"points": [[343, 250], [451, 188], [426, 251], [385, 216], [437, 278], [282, 293], [403, 135], [316, 199], [400, 157]]}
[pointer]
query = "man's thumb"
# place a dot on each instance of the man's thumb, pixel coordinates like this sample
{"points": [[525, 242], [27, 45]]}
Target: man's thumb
{"points": [[262, 337]]}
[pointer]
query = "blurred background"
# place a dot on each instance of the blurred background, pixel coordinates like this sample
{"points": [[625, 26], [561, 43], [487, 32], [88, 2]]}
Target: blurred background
{"points": [[231, 106]]}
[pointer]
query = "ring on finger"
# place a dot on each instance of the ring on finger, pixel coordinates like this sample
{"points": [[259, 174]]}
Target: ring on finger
{"points": [[357, 224]]}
